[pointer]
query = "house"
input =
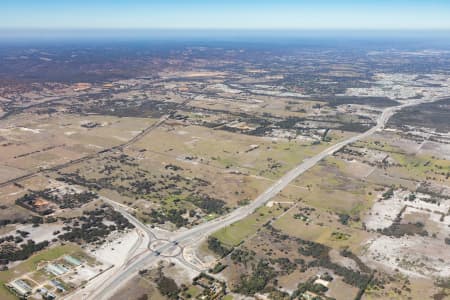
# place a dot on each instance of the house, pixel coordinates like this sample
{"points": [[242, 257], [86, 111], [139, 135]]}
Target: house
{"points": [[40, 203], [322, 282]]}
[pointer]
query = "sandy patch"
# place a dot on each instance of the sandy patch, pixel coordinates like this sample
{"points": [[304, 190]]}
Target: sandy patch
{"points": [[42, 233], [30, 130], [412, 255], [384, 212], [115, 250], [336, 257], [437, 149]]}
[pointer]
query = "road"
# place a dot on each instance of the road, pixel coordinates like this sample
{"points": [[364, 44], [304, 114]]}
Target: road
{"points": [[182, 239], [90, 156], [133, 140]]}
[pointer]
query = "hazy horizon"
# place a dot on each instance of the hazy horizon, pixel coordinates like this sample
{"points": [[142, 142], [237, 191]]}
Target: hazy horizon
{"points": [[151, 33], [231, 14]]}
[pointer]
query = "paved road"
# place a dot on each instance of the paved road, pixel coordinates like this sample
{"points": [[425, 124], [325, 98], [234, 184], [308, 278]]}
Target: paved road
{"points": [[90, 156], [135, 139], [181, 239], [191, 236]]}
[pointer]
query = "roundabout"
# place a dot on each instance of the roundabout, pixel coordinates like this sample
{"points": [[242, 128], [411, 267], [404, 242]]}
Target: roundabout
{"points": [[165, 248]]}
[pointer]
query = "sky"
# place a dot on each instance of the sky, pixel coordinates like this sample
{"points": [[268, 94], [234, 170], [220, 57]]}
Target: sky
{"points": [[226, 14]]}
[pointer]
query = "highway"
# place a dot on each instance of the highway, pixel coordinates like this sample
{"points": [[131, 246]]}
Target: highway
{"points": [[179, 240]]}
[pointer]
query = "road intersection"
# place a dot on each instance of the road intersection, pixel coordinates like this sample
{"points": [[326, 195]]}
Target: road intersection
{"points": [[171, 245]]}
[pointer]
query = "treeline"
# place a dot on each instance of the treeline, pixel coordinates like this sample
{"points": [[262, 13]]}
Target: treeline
{"points": [[10, 252], [262, 273], [68, 200], [208, 204], [172, 215], [216, 246]]}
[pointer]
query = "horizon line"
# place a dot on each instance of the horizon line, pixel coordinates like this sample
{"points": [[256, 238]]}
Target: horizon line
{"points": [[227, 28]]}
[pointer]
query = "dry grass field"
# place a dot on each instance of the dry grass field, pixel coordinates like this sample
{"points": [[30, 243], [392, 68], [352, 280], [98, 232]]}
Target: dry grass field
{"points": [[42, 142]]}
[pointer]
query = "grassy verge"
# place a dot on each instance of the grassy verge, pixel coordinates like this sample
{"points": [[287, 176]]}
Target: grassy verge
{"points": [[234, 234]]}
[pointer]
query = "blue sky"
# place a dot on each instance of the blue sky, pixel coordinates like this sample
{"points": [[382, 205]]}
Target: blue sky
{"points": [[225, 14]]}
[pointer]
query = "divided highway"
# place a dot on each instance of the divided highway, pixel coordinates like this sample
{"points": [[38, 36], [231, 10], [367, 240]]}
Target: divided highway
{"points": [[191, 237]]}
